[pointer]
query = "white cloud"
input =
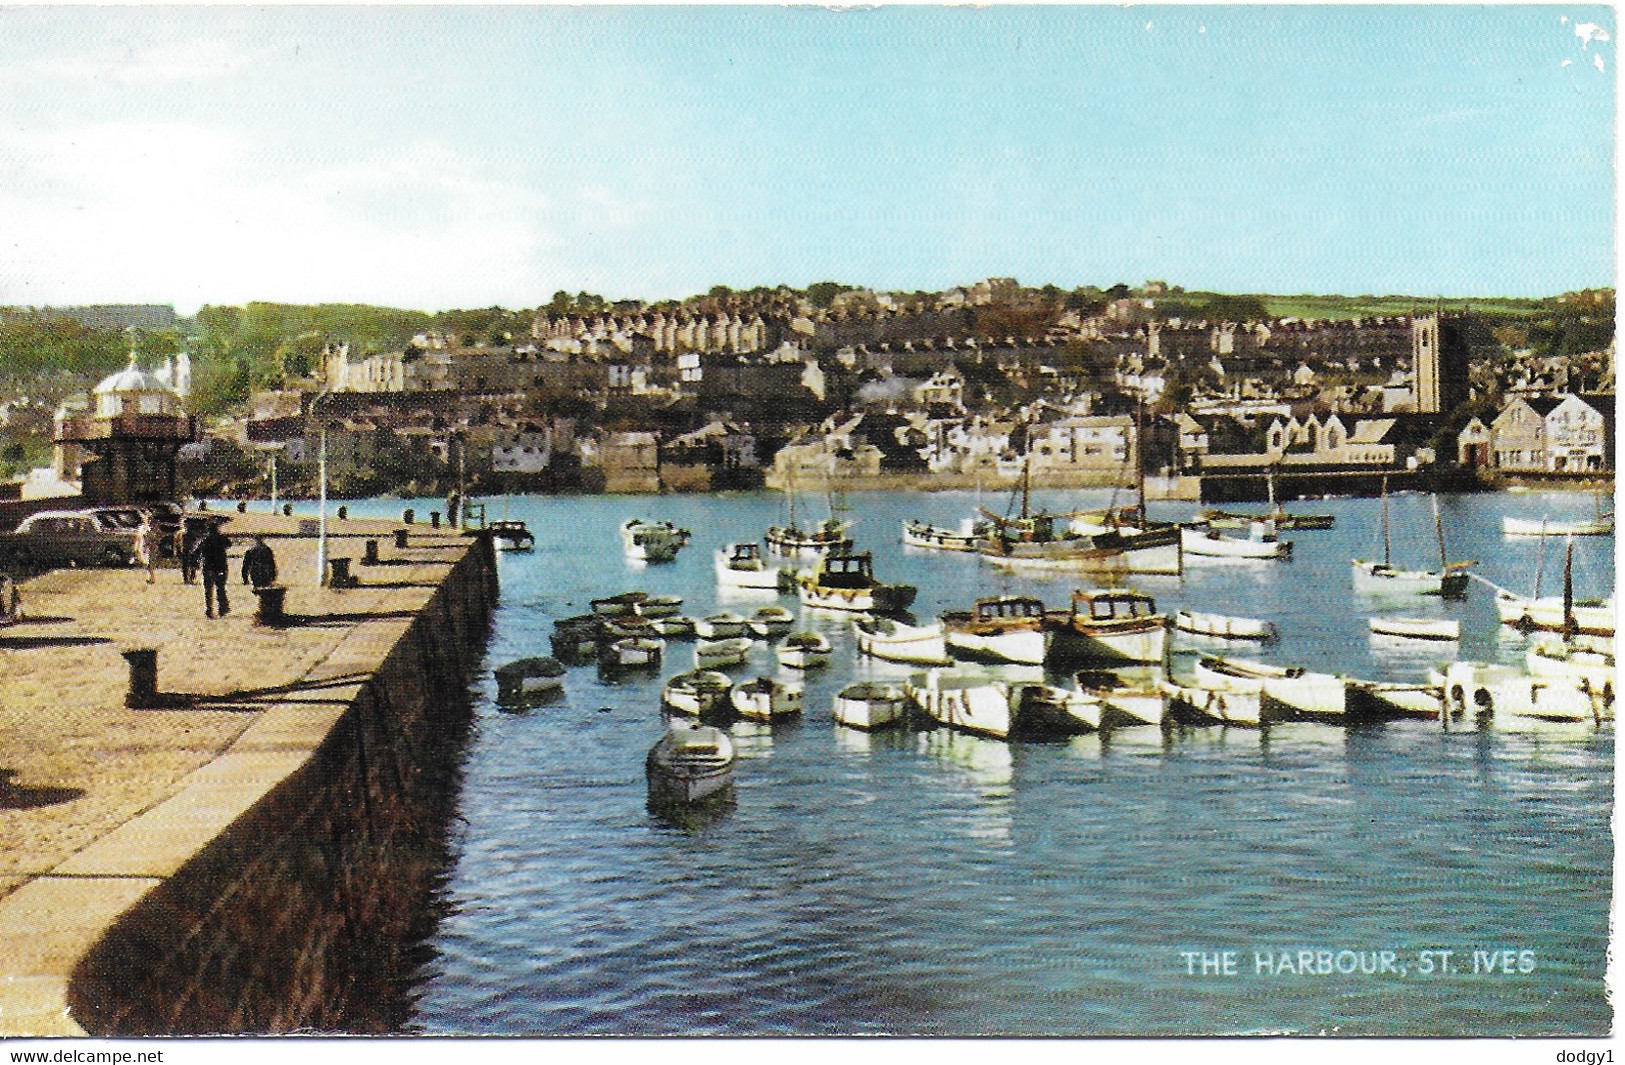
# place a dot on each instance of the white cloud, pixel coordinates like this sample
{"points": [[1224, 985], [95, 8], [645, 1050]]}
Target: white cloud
{"points": [[1588, 32], [195, 60], [176, 213]]}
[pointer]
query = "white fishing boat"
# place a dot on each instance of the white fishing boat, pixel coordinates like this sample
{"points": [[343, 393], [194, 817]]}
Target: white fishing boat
{"points": [[972, 701], [715, 654], [1111, 625], [1370, 700], [1005, 628], [1223, 626], [1044, 710], [633, 652], [576, 638], [871, 705], [1508, 696], [934, 538], [766, 699], [1372, 577], [722, 625], [1290, 692], [1261, 542], [799, 545], [652, 541], [699, 692], [805, 650], [528, 678], [689, 763], [896, 642], [1416, 628], [771, 622], [613, 605], [659, 606], [511, 535], [1600, 526], [675, 627], [847, 582], [1554, 659], [1125, 701], [1199, 705], [742, 566], [1565, 614]]}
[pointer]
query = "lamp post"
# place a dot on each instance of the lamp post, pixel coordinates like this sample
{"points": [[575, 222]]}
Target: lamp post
{"points": [[321, 521]]}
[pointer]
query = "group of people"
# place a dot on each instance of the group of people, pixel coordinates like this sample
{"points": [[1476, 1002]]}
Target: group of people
{"points": [[204, 550]]}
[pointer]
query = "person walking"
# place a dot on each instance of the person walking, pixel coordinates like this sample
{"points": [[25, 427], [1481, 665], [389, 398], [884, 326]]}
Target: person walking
{"points": [[191, 535], [212, 555], [147, 539], [259, 564]]}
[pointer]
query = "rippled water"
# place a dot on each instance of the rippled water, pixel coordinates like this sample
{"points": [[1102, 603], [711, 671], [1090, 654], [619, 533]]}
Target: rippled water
{"points": [[942, 884]]}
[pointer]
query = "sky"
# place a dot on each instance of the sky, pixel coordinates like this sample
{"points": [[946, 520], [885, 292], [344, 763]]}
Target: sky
{"points": [[438, 157]]}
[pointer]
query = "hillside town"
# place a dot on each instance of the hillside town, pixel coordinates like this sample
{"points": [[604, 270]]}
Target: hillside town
{"points": [[984, 385]]}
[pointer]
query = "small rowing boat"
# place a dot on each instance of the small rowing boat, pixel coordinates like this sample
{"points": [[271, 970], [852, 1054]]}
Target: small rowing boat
{"points": [[1224, 626], [1417, 628]]}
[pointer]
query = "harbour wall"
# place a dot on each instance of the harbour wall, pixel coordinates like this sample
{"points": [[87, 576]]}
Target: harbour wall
{"points": [[307, 913]]}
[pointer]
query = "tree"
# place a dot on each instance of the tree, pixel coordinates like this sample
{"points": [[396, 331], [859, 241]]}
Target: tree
{"points": [[823, 293]]}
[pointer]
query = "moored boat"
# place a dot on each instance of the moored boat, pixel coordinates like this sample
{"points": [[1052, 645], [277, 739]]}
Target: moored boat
{"points": [[689, 763], [674, 627], [1006, 628], [771, 622], [722, 625], [766, 699], [1603, 526], [1592, 617], [741, 565], [1111, 625], [624, 603], [1370, 700], [871, 705], [1290, 692], [1416, 628], [658, 606], [701, 691], [805, 650], [1199, 705], [529, 678], [1223, 626], [972, 701], [1125, 701], [1046, 710], [511, 535], [712, 654], [896, 642], [1260, 542], [935, 538], [1508, 696], [1552, 659], [652, 541], [633, 652], [576, 638], [1372, 577], [847, 582]]}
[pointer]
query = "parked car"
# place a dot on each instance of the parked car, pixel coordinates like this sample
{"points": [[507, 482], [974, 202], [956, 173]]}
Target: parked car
{"points": [[54, 538]]}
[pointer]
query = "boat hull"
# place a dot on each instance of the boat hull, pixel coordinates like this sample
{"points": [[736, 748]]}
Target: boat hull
{"points": [[871, 706], [1029, 646], [1210, 544], [1525, 527], [1547, 613], [914, 644], [1376, 577], [1223, 626], [689, 765], [1064, 556], [1437, 629], [879, 599], [734, 573], [1214, 706], [932, 538], [697, 693], [970, 703]]}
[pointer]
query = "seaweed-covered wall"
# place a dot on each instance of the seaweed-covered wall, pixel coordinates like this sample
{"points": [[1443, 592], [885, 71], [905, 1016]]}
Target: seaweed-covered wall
{"points": [[309, 912]]}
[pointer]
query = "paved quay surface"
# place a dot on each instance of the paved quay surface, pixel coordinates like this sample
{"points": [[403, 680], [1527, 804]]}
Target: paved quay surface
{"points": [[99, 802]]}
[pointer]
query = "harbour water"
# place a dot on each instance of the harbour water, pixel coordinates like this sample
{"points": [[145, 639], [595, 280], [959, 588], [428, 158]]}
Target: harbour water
{"points": [[935, 883]]}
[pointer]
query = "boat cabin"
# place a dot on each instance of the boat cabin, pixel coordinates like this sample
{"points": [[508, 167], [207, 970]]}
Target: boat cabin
{"points": [[1004, 607], [1112, 603], [847, 571], [747, 556]]}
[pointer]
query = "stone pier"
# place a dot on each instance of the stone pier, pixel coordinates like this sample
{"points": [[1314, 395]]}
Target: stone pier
{"points": [[258, 849]]}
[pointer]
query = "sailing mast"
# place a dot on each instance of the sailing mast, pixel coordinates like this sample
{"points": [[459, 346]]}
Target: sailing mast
{"points": [[1570, 625], [1139, 452], [1438, 528], [1386, 546]]}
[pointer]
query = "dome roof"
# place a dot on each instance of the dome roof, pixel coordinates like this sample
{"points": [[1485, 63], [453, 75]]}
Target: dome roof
{"points": [[131, 379]]}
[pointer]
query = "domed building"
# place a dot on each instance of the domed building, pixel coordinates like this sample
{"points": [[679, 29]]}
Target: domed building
{"points": [[125, 445]]}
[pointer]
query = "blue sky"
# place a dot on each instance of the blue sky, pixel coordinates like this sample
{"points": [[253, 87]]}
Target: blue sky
{"points": [[440, 157]]}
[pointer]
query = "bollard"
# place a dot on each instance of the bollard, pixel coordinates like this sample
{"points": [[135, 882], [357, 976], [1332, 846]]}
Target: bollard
{"points": [[434, 519], [340, 573], [408, 515], [273, 602], [369, 556], [287, 510], [400, 537], [242, 506], [344, 513], [143, 677]]}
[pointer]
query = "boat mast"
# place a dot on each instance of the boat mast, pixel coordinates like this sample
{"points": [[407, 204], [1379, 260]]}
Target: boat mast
{"points": [[1570, 626], [1540, 555], [1438, 528], [1139, 452], [1386, 547]]}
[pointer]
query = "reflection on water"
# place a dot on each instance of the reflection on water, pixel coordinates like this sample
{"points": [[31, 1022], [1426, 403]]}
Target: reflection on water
{"points": [[936, 883]]}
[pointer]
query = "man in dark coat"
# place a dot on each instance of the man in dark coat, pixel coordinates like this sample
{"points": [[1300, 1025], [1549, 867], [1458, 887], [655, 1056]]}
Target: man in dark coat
{"points": [[259, 564], [212, 556]]}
